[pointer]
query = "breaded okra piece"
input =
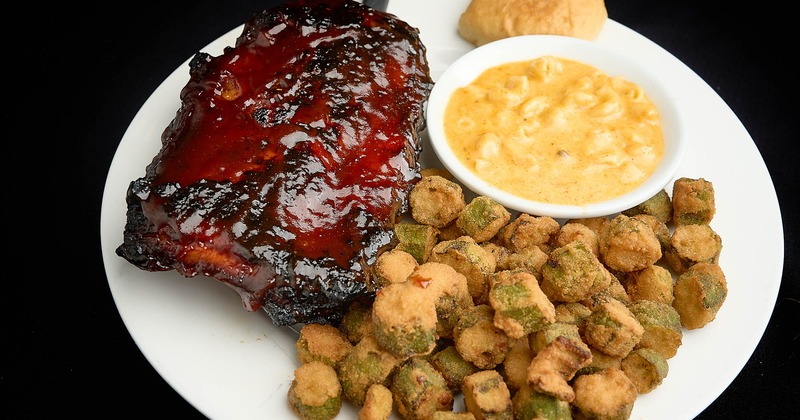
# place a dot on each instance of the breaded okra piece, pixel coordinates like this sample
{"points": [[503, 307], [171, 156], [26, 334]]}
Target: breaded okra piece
{"points": [[452, 366], [520, 306], [377, 404], [315, 392], [404, 315], [693, 201], [572, 273], [478, 340], [394, 266], [530, 259], [699, 294], [357, 321], [598, 224], [662, 327], [469, 259], [322, 342], [482, 218], [515, 366], [436, 201], [691, 244], [613, 329], [629, 244], [614, 291], [540, 339], [658, 206], [600, 361], [577, 232], [646, 368], [452, 415], [608, 394], [500, 253], [532, 405], [365, 365], [659, 228], [527, 230], [419, 390], [573, 313], [416, 239], [449, 290], [555, 365], [652, 283], [487, 396]]}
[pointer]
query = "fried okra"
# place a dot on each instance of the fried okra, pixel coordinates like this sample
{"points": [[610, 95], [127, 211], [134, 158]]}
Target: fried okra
{"points": [[538, 340], [394, 266], [577, 232], [699, 294], [487, 396], [530, 259], [315, 392], [520, 306], [573, 273], [608, 394], [532, 405], [500, 254], [613, 329], [365, 365], [515, 366], [693, 201], [405, 319], [646, 368], [651, 283], [357, 321], [469, 259], [600, 361], [691, 244], [659, 228], [662, 326], [598, 224], [452, 366], [449, 290], [527, 230], [419, 390], [572, 313], [452, 415], [629, 244], [478, 340], [555, 365], [482, 218], [658, 206], [416, 239], [377, 404], [436, 201], [323, 343]]}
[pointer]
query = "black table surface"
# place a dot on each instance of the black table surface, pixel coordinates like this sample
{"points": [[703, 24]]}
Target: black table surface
{"points": [[77, 73]]}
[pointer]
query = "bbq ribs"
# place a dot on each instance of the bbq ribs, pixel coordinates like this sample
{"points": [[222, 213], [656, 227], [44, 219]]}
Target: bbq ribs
{"points": [[289, 161]]}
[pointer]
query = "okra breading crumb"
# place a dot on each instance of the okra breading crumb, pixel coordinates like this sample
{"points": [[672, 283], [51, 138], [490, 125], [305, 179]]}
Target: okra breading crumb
{"points": [[527, 230], [691, 244], [315, 392], [572, 273], [613, 329], [532, 405], [377, 404], [520, 306], [646, 368], [469, 259], [487, 396], [394, 266], [693, 201], [658, 206], [322, 342], [699, 294], [365, 365], [629, 244], [662, 327], [608, 394], [652, 283], [478, 340], [419, 390], [482, 218], [556, 364], [436, 201]]}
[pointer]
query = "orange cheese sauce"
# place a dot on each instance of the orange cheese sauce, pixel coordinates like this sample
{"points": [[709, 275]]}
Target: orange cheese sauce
{"points": [[555, 130]]}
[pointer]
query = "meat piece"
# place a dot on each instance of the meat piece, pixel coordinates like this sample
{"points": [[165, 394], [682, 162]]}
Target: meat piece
{"points": [[290, 159]]}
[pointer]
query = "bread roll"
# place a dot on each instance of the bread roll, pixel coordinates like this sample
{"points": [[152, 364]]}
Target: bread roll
{"points": [[489, 20]]}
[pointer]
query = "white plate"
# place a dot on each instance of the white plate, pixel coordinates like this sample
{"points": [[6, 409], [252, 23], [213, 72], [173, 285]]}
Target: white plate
{"points": [[246, 364]]}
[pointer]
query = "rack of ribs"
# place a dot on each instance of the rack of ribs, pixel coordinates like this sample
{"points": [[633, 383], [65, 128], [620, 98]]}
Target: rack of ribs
{"points": [[289, 161]]}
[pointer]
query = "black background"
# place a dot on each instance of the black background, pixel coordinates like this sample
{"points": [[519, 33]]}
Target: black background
{"points": [[76, 74]]}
